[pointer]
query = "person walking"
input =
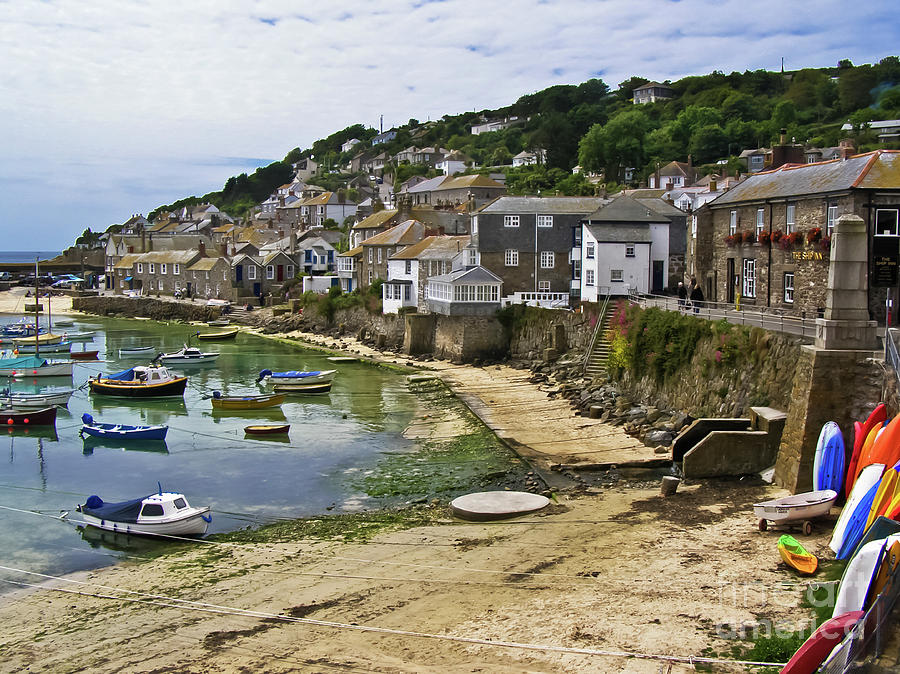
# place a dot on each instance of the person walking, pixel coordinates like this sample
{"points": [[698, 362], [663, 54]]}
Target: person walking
{"points": [[682, 296], [696, 296]]}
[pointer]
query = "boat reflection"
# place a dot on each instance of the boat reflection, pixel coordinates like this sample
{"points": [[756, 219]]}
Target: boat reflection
{"points": [[267, 414], [45, 432], [111, 540], [150, 412], [90, 442]]}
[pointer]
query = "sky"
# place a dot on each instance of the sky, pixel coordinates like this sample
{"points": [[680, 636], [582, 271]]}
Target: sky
{"points": [[110, 108]]}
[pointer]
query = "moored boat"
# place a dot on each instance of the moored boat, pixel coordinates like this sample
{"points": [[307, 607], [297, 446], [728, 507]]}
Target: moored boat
{"points": [[213, 336], [187, 355], [121, 431], [38, 417], [84, 355], [267, 429], [143, 381], [221, 402], [307, 389], [163, 513], [33, 366], [82, 336], [137, 351], [55, 347], [36, 400], [297, 376]]}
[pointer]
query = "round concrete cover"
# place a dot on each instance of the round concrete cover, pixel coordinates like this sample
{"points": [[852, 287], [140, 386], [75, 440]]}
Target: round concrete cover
{"points": [[495, 505]]}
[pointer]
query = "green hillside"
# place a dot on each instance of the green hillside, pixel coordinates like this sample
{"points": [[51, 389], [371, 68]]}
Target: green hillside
{"points": [[712, 117]]}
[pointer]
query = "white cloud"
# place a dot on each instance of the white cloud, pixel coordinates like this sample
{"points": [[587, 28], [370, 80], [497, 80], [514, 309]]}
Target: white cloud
{"points": [[127, 100]]}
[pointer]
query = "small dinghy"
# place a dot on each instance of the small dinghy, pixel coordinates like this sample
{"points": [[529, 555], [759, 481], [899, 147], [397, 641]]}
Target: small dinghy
{"points": [[213, 336], [121, 431], [84, 355], [818, 647], [220, 402], [25, 417], [303, 389], [163, 513], [36, 400], [796, 556], [796, 508], [137, 352], [187, 355], [297, 376], [267, 429]]}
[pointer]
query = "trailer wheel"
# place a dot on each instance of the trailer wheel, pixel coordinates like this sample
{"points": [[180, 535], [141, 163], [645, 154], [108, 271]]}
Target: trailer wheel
{"points": [[807, 528], [763, 525]]}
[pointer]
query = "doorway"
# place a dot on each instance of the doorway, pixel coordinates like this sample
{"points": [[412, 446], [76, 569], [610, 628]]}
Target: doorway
{"points": [[730, 284]]}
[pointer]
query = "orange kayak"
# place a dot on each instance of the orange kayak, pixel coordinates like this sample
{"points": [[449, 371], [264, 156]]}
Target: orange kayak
{"points": [[796, 556]]}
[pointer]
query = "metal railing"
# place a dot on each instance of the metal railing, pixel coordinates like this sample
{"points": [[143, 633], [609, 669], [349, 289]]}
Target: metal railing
{"points": [[868, 638], [601, 321], [769, 319], [891, 356]]}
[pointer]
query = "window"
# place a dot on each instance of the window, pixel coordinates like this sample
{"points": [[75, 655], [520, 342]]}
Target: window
{"points": [[152, 510], [576, 269], [251, 272], [409, 266], [270, 271], [163, 268], [176, 269], [151, 268], [371, 276], [749, 288], [832, 218], [320, 210], [207, 274], [732, 223], [380, 252], [789, 288], [615, 275], [589, 250], [548, 258], [588, 277], [543, 286], [629, 250], [545, 221], [510, 220], [406, 293], [474, 224], [180, 503], [290, 271], [371, 255], [140, 268], [471, 257], [760, 221], [789, 222], [512, 257], [885, 222]]}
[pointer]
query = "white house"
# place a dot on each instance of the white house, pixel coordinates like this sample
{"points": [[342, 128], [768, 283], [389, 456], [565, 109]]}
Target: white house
{"points": [[409, 269], [346, 147], [625, 247], [526, 158], [453, 163]]}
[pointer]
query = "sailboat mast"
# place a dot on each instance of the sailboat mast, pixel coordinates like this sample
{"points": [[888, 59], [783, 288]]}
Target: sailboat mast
{"points": [[37, 304]]}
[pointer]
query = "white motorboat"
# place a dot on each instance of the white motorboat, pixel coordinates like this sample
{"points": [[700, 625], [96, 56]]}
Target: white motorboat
{"points": [[297, 376], [32, 366], [79, 336], [163, 513], [186, 355], [36, 400]]}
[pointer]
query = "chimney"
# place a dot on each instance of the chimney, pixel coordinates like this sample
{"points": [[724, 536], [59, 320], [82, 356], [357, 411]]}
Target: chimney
{"points": [[202, 248], [690, 161], [656, 183], [847, 148], [782, 139], [670, 186], [713, 185]]}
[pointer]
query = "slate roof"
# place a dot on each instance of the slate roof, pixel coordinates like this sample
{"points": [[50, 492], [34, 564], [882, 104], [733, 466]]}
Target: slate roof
{"points": [[427, 185], [462, 182], [471, 275], [544, 205], [205, 264], [353, 252], [402, 234], [434, 248], [610, 233], [625, 209], [127, 261], [169, 256], [662, 207], [874, 170]]}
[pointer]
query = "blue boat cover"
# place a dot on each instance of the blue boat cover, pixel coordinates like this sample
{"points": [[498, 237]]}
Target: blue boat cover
{"points": [[126, 511], [124, 375], [294, 374]]}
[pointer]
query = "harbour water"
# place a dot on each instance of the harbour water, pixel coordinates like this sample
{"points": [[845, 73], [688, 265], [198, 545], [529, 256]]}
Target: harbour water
{"points": [[335, 441]]}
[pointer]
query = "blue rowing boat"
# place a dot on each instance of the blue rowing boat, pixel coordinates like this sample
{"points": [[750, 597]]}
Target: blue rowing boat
{"points": [[121, 431]]}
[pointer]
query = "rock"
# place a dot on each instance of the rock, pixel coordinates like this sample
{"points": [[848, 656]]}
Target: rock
{"points": [[661, 449], [658, 438]]}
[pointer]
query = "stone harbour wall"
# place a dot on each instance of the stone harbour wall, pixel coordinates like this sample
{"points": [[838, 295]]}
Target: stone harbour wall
{"points": [[145, 307]]}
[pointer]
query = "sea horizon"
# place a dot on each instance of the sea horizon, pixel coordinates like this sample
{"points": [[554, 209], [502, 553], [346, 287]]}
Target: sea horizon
{"points": [[21, 256]]}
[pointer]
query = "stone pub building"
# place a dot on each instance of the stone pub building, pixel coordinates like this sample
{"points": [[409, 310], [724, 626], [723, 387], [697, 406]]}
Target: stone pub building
{"points": [[765, 244]]}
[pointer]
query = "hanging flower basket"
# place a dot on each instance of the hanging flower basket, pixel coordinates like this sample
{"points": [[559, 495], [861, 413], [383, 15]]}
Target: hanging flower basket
{"points": [[730, 241], [748, 236], [764, 238], [777, 235], [792, 240], [825, 243], [813, 235]]}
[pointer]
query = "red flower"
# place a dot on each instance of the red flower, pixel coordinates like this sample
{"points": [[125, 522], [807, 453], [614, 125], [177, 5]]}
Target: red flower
{"points": [[814, 235], [749, 236], [764, 237]]}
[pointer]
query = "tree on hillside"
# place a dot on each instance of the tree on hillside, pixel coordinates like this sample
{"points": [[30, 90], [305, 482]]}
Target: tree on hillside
{"points": [[855, 88], [617, 145]]}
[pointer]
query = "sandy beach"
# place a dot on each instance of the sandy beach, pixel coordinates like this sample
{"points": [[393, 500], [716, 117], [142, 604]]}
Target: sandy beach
{"points": [[609, 578]]}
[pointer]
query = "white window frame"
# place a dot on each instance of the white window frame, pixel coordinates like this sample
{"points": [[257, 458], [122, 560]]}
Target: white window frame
{"points": [[616, 275], [576, 269], [790, 216], [510, 220], [371, 276], [474, 224], [176, 269], [760, 221], [151, 268], [789, 287], [163, 268], [270, 272], [408, 267], [471, 257], [589, 250], [895, 229], [380, 253], [371, 255], [140, 268], [748, 277], [732, 223], [543, 286], [548, 259], [831, 218], [289, 270], [511, 257], [629, 250], [251, 272], [545, 221], [589, 277]]}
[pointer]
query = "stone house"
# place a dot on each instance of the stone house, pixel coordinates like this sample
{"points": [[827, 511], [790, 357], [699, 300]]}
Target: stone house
{"points": [[163, 271], [209, 277], [372, 225], [474, 190], [652, 92], [625, 247], [533, 243], [765, 242], [259, 275], [378, 249], [120, 278], [348, 269], [409, 269], [673, 175]]}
